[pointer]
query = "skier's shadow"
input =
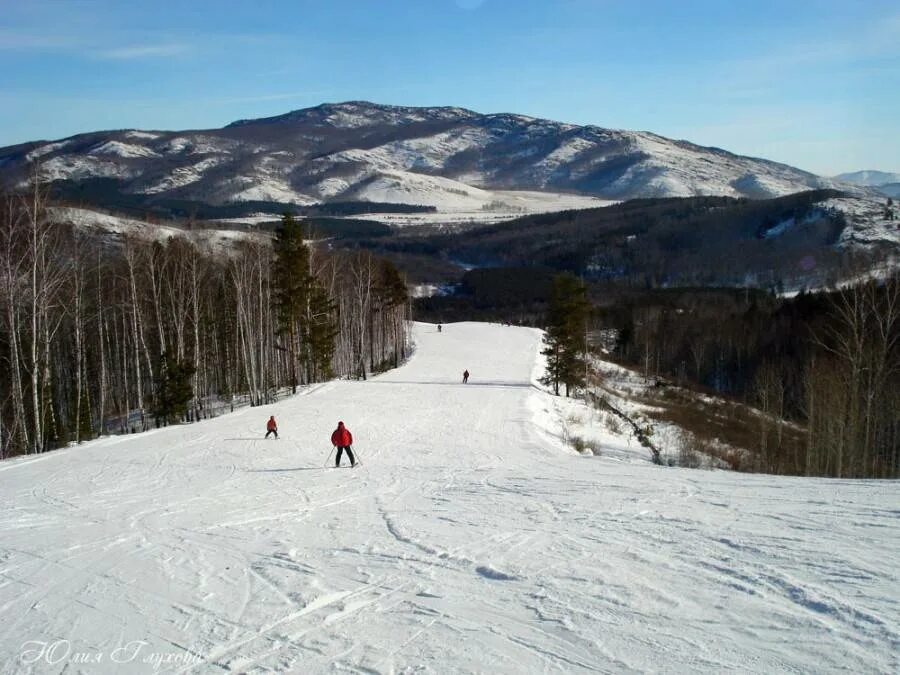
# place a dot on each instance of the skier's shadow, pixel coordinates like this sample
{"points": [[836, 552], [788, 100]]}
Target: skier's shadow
{"points": [[299, 468]]}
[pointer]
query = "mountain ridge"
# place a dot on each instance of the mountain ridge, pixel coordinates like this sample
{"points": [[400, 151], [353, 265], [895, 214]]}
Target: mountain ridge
{"points": [[445, 156], [869, 177]]}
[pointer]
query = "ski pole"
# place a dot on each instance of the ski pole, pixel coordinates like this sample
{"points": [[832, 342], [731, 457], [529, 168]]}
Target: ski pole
{"points": [[356, 455], [328, 461]]}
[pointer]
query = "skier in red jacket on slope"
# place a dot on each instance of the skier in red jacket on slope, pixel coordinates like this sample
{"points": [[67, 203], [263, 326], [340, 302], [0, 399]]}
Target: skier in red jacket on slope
{"points": [[342, 439], [272, 427]]}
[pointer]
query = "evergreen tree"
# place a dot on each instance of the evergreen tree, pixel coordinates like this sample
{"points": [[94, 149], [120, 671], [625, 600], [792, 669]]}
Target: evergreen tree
{"points": [[305, 311], [173, 388], [319, 329], [393, 296], [565, 338], [292, 279]]}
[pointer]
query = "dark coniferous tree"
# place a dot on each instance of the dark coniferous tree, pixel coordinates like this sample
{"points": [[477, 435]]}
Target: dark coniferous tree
{"points": [[393, 297], [173, 388], [319, 332], [292, 279], [565, 343]]}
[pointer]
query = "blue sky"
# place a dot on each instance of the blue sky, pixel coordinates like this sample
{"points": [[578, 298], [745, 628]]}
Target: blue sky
{"points": [[812, 83]]}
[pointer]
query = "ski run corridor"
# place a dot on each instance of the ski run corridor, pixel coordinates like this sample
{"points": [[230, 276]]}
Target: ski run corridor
{"points": [[471, 539]]}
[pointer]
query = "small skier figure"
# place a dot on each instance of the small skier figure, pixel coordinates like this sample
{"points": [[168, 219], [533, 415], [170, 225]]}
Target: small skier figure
{"points": [[342, 439], [439, 328], [272, 427], [465, 377]]}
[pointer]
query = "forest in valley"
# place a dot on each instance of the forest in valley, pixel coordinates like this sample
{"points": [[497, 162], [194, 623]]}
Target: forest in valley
{"points": [[118, 335], [691, 293], [785, 243], [823, 362], [101, 335]]}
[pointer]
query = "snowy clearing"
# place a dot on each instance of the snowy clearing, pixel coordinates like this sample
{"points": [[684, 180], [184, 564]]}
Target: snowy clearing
{"points": [[471, 539], [105, 224]]}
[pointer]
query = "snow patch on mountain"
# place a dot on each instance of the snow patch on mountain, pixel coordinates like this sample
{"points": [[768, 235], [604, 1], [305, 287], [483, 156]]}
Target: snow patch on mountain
{"points": [[107, 225], [866, 222], [409, 188], [73, 167], [501, 205], [430, 153], [360, 114], [196, 145], [95, 220], [566, 152], [46, 149], [267, 189], [332, 187], [183, 175], [122, 150], [142, 135]]}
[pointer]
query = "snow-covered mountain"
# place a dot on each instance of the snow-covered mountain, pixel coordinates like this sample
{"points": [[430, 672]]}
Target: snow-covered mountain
{"points": [[472, 539], [447, 157], [869, 178], [890, 190], [884, 182]]}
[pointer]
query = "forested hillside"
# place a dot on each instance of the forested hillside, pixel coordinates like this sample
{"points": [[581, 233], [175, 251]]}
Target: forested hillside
{"points": [[789, 242], [101, 334], [818, 370]]}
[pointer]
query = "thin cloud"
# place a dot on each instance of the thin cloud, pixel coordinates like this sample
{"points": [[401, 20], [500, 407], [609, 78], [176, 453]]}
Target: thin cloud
{"points": [[18, 40], [270, 97], [143, 52], [877, 40], [48, 42]]}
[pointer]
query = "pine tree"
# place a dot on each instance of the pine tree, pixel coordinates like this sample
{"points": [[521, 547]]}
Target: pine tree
{"points": [[292, 279], [173, 388], [565, 337], [393, 297], [319, 328]]}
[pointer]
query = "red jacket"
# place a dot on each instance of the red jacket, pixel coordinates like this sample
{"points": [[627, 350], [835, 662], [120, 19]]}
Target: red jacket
{"points": [[271, 425], [341, 436]]}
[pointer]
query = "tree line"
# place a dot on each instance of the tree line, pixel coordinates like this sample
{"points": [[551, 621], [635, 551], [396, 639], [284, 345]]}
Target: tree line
{"points": [[828, 362], [786, 242], [825, 364], [100, 336]]}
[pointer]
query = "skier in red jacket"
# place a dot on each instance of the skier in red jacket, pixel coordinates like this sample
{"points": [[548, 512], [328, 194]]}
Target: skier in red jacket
{"points": [[342, 439], [272, 427]]}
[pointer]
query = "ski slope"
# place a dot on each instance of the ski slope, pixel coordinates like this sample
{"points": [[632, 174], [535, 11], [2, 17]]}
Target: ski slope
{"points": [[471, 540]]}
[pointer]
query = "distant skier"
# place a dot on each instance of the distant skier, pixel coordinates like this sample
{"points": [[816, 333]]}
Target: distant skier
{"points": [[465, 377], [439, 328], [342, 439], [272, 427]]}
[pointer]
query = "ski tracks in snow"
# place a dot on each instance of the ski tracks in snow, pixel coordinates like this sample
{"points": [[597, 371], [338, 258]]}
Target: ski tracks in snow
{"points": [[472, 540]]}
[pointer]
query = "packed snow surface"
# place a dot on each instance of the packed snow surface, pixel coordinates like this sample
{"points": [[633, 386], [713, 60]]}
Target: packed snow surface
{"points": [[470, 539]]}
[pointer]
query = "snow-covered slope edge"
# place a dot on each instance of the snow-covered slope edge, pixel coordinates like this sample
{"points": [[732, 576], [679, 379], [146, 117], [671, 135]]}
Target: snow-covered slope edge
{"points": [[113, 227], [470, 540]]}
